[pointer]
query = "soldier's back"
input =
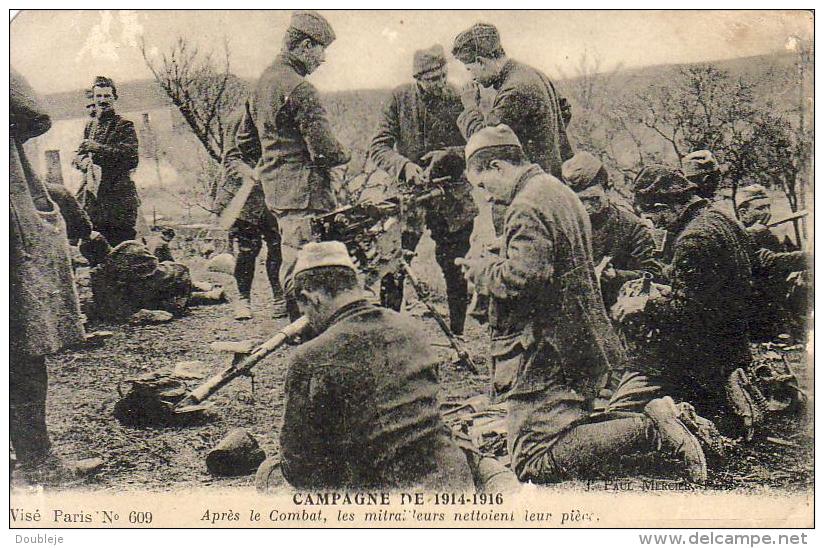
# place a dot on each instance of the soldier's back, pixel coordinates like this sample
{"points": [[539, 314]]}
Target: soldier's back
{"points": [[385, 373]]}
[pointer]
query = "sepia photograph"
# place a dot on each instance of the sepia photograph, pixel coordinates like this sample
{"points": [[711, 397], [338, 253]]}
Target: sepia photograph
{"points": [[411, 269]]}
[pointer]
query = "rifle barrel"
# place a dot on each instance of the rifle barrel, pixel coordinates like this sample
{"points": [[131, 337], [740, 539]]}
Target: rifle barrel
{"points": [[227, 375], [788, 218]]}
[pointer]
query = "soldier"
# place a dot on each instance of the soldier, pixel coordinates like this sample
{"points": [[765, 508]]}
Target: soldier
{"points": [[109, 142], [254, 223], [43, 304], [297, 145], [361, 397], [754, 211], [525, 98], [771, 287], [552, 342], [420, 119], [702, 169], [619, 237], [704, 319]]}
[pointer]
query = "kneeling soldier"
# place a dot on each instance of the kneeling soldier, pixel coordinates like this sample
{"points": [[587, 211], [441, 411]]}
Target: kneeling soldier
{"points": [[552, 342]]}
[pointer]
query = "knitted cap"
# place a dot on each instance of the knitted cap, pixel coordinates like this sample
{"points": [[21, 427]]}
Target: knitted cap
{"points": [[479, 39], [318, 254], [660, 183], [581, 171], [700, 162], [313, 25], [751, 193], [427, 60]]}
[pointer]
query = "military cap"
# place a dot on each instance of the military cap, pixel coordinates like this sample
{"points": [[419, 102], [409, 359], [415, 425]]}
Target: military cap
{"points": [[313, 25], [751, 193], [479, 39], [700, 162], [320, 254], [427, 60], [583, 171], [491, 136], [660, 183]]}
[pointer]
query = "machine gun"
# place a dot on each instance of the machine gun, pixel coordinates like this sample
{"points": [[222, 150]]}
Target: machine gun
{"points": [[372, 232]]}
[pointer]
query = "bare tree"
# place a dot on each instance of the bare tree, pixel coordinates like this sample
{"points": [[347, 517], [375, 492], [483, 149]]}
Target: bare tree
{"points": [[588, 91], [203, 89], [702, 107]]}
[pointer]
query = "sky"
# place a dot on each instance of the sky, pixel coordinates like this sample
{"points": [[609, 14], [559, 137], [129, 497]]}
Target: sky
{"points": [[64, 50]]}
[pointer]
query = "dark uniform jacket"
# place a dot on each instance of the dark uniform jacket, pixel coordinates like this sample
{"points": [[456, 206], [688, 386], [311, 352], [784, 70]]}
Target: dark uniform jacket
{"points": [[414, 124], [705, 318], [77, 221], [44, 312], [527, 102], [117, 200], [254, 209], [297, 145], [621, 235], [362, 409], [547, 310]]}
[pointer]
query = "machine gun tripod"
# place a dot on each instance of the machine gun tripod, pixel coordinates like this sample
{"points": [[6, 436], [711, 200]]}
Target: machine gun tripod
{"points": [[372, 232]]}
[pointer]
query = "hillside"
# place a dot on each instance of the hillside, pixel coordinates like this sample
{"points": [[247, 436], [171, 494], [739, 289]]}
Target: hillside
{"points": [[771, 72]]}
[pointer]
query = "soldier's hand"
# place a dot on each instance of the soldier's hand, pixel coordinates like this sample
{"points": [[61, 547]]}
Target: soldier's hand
{"points": [[82, 162], [472, 269], [609, 273], [434, 157], [413, 173], [471, 95], [757, 228], [88, 145]]}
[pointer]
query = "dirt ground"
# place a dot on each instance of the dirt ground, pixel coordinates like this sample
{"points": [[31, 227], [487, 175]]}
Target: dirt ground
{"points": [[83, 391]]}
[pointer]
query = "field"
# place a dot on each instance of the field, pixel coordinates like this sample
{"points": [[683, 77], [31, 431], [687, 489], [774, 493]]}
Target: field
{"points": [[83, 391], [83, 384]]}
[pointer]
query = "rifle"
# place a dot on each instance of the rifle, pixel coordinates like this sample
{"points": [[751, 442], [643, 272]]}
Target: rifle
{"points": [[242, 366], [789, 218]]}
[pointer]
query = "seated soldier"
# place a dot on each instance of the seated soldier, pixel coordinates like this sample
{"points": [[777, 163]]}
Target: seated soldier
{"points": [[620, 240], [361, 408], [772, 310], [128, 278], [703, 320], [702, 169]]}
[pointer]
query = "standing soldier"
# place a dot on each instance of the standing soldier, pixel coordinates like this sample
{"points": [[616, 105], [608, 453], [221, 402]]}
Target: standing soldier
{"points": [[552, 342], [619, 238], [526, 99], [297, 145], [419, 119], [110, 143], [254, 223], [43, 304]]}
